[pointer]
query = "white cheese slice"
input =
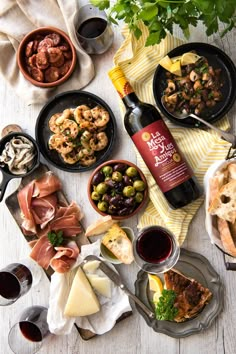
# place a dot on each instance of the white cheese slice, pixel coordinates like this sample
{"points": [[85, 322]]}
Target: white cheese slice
{"points": [[91, 266], [101, 284], [81, 301]]}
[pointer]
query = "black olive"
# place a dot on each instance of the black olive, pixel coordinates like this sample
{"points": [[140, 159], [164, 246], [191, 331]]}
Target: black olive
{"points": [[97, 178], [127, 180], [110, 183], [117, 201], [121, 167], [129, 202]]}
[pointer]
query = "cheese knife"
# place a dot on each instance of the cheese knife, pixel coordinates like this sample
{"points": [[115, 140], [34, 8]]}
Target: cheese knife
{"points": [[115, 277]]}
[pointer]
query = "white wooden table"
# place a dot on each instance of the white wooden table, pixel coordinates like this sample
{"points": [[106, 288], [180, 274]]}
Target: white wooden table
{"points": [[131, 336]]}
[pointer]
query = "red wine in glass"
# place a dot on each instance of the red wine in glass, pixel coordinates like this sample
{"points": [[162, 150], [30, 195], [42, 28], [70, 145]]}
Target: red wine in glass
{"points": [[29, 333], [15, 280], [156, 249]]}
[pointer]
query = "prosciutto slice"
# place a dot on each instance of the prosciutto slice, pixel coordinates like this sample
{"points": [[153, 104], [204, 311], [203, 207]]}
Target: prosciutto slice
{"points": [[42, 252], [46, 185], [65, 257], [24, 199], [42, 209]]}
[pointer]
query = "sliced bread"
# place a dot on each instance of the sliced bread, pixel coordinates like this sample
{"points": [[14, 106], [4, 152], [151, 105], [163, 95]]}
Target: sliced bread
{"points": [[119, 244], [100, 226], [224, 204]]}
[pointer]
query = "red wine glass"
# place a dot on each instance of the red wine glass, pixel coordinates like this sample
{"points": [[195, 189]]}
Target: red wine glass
{"points": [[156, 249], [94, 32], [16, 279], [28, 334]]}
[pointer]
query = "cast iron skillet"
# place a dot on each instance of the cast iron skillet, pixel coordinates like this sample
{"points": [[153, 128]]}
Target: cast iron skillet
{"points": [[6, 174], [71, 99], [216, 58]]}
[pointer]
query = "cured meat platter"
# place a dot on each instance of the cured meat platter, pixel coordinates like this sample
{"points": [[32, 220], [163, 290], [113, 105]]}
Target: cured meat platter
{"points": [[14, 208]]}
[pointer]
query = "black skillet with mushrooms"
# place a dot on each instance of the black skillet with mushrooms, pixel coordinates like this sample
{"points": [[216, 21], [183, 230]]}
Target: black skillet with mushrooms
{"points": [[198, 89]]}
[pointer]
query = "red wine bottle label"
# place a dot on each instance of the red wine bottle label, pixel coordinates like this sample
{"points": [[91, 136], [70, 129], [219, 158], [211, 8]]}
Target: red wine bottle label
{"points": [[162, 156]]}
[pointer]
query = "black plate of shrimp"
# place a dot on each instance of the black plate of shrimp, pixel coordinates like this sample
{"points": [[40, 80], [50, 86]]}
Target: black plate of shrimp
{"points": [[75, 131], [211, 108]]}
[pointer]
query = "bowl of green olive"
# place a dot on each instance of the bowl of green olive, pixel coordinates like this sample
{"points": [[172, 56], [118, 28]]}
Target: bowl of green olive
{"points": [[117, 188]]}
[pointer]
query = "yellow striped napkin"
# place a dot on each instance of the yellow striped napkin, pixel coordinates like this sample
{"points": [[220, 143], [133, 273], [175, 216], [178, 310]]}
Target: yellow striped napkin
{"points": [[201, 148]]}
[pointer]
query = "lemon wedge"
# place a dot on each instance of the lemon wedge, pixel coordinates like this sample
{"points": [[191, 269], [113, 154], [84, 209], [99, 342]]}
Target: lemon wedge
{"points": [[189, 58], [176, 68], [155, 283], [166, 63]]}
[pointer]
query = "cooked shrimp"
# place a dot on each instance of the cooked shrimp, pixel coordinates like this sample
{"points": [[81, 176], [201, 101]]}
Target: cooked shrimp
{"points": [[69, 128], [70, 158], [52, 123], [84, 139], [85, 152], [66, 114], [78, 113], [99, 142], [58, 142], [100, 115], [88, 160], [90, 126]]}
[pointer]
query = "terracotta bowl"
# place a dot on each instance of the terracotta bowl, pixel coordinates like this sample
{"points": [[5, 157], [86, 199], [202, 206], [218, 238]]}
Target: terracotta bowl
{"points": [[27, 66], [122, 211]]}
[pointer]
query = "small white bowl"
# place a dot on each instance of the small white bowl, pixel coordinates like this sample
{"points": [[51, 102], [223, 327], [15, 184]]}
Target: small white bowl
{"points": [[108, 255]]}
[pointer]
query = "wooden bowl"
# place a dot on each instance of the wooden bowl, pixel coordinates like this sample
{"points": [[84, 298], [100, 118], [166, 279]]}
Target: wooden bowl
{"points": [[116, 214], [27, 67]]}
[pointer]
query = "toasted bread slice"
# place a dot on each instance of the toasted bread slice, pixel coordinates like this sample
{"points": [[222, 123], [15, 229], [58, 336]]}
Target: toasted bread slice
{"points": [[191, 296], [216, 182], [224, 204], [231, 167], [119, 244], [100, 226]]}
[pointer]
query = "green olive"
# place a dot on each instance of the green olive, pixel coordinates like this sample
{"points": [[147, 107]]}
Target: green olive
{"points": [[102, 205], [117, 176], [128, 191], [131, 172], [101, 188], [95, 195], [138, 197], [139, 185], [107, 170]]}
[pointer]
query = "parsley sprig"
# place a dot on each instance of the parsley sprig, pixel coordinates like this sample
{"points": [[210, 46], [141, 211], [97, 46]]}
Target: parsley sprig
{"points": [[56, 238], [161, 15], [165, 309]]}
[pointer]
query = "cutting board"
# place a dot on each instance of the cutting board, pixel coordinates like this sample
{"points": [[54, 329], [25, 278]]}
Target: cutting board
{"points": [[13, 206]]}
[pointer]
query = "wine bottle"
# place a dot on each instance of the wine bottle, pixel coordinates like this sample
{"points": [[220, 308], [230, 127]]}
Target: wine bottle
{"points": [[156, 145]]}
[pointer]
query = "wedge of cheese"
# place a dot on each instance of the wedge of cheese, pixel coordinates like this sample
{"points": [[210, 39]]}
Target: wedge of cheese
{"points": [[101, 284], [91, 266], [81, 301]]}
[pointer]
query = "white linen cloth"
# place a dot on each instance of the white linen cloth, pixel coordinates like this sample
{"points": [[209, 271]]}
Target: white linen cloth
{"points": [[19, 17], [100, 322]]}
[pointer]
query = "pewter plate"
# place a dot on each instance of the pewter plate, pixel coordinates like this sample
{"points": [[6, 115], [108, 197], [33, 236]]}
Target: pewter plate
{"points": [[195, 266]]}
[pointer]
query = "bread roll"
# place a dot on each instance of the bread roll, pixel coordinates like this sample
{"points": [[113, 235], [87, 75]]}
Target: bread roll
{"points": [[224, 204], [226, 237]]}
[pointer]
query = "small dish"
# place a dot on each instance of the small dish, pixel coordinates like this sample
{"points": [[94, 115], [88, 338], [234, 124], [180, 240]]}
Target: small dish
{"points": [[57, 70], [194, 266], [119, 204], [108, 255], [218, 59], [6, 174], [71, 99]]}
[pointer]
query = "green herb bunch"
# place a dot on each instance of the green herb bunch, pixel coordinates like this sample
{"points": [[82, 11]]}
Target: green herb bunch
{"points": [[161, 15], [56, 238], [165, 310]]}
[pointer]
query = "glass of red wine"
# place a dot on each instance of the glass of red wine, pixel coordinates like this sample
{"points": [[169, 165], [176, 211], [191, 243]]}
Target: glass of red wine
{"points": [[156, 249], [16, 279], [93, 30], [28, 334]]}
